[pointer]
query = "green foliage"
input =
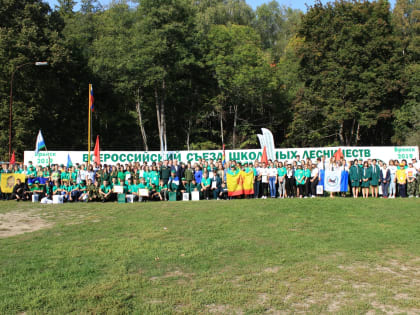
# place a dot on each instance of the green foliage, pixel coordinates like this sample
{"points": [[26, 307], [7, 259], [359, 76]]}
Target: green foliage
{"points": [[345, 61], [342, 73]]}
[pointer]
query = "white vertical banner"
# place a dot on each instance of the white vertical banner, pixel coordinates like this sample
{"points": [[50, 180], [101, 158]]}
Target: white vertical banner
{"points": [[332, 180]]}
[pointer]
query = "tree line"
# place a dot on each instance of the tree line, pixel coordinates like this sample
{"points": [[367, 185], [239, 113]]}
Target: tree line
{"points": [[188, 74]]}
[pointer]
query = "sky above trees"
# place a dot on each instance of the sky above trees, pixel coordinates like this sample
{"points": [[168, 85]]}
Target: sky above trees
{"points": [[295, 4]]}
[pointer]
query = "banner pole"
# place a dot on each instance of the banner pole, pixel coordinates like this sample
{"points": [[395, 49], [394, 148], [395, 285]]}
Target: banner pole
{"points": [[89, 122]]}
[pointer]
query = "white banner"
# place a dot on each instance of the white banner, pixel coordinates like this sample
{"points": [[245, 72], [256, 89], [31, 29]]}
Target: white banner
{"points": [[332, 180], [125, 157]]}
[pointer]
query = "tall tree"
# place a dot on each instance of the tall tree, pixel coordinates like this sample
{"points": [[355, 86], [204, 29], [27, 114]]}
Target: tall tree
{"points": [[345, 61], [406, 20]]}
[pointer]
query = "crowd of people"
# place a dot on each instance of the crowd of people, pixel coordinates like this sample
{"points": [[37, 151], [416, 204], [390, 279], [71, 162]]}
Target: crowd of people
{"points": [[171, 180]]}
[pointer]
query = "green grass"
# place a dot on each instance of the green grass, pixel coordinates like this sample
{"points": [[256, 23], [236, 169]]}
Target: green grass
{"points": [[224, 257]]}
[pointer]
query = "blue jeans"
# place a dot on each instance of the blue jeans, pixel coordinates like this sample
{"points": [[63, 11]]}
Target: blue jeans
{"points": [[385, 189], [256, 188], [272, 183]]}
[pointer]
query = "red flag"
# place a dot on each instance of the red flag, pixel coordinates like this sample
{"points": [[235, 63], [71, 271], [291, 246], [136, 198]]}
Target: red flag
{"points": [[12, 158], [96, 152], [338, 155], [264, 156]]}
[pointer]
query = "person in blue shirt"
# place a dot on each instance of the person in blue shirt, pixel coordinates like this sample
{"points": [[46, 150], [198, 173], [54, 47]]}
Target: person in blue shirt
{"points": [[198, 175]]}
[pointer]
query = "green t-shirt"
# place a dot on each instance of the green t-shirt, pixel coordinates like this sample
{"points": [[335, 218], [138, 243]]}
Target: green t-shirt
{"points": [[299, 174], [106, 189], [132, 188], [65, 176], [146, 176], [307, 173], [206, 181], [66, 188], [160, 188], [281, 171], [154, 178]]}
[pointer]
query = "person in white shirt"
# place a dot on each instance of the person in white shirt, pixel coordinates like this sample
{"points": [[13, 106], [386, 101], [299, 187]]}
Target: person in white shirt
{"points": [[264, 180], [392, 183], [272, 179], [384, 179]]}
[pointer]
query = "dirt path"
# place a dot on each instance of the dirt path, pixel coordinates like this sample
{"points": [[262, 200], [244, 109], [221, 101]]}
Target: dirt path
{"points": [[15, 223]]}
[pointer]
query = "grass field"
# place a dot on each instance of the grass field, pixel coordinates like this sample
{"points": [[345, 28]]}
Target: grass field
{"points": [[222, 257]]}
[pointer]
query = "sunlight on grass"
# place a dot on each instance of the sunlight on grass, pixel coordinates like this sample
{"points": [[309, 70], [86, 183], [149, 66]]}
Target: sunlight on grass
{"points": [[244, 256]]}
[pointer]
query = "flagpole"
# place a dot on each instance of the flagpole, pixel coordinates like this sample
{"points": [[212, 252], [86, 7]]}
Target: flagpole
{"points": [[89, 124]]}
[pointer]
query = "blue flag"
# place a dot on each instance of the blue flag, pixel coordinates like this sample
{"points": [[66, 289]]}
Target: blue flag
{"points": [[40, 143], [69, 163]]}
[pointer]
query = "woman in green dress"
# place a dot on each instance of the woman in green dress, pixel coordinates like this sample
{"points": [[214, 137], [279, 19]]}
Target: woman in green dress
{"points": [[355, 178], [366, 176]]}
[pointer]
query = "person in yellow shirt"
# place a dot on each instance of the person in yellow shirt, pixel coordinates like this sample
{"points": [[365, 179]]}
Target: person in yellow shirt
{"points": [[401, 177]]}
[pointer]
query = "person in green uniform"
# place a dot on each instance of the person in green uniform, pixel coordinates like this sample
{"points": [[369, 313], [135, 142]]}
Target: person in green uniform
{"points": [[355, 177], [121, 175], [163, 190], [93, 191], [173, 184], [143, 185], [65, 175], [56, 190], [83, 193], [281, 175], [105, 175], [31, 176], [135, 189], [307, 174], [365, 177], [194, 186], [300, 180], [106, 192], [374, 180], [74, 192], [154, 176], [55, 174], [37, 189], [154, 194], [114, 173], [188, 174], [205, 186], [147, 175], [216, 186], [165, 172], [66, 190]]}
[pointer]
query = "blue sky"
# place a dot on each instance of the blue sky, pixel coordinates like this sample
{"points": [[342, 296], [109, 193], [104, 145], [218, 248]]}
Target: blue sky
{"points": [[295, 4]]}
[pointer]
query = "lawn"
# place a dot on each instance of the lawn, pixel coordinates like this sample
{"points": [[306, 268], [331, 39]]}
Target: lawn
{"points": [[222, 257]]}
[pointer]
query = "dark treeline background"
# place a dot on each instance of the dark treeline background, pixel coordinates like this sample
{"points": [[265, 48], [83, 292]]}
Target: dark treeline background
{"points": [[195, 74]]}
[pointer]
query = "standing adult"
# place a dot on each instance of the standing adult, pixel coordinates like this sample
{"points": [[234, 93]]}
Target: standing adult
{"points": [[385, 178], [374, 181]]}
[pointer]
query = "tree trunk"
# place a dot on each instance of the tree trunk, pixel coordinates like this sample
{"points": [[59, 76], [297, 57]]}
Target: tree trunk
{"points": [[142, 130], [221, 125], [350, 140], [340, 133], [188, 133], [357, 134], [162, 117], [158, 114], [235, 119]]}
